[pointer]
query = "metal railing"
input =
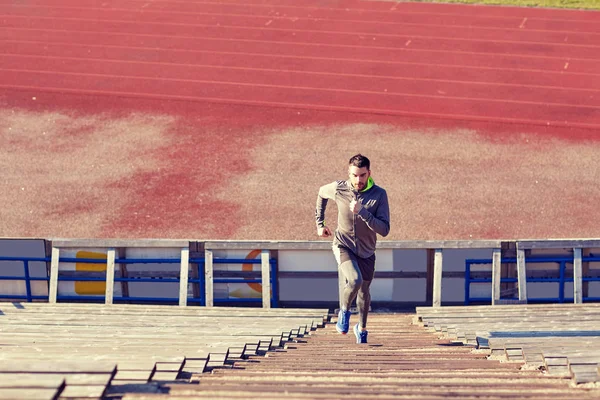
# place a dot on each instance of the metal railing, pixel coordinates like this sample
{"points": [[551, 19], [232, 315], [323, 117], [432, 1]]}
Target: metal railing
{"points": [[25, 277], [435, 251], [561, 279], [99, 276], [245, 277]]}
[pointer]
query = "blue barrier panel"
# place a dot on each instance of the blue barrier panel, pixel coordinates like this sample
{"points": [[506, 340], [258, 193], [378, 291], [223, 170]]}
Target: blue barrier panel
{"points": [[245, 277], [29, 297], [561, 279], [200, 281]]}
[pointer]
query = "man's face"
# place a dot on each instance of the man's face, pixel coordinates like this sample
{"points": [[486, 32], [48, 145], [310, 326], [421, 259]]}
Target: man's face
{"points": [[358, 177]]}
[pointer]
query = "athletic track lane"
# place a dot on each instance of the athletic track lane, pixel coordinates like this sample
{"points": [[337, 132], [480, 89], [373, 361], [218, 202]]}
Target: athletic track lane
{"points": [[497, 64]]}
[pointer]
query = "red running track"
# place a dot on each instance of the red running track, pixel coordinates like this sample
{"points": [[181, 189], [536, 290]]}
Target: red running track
{"points": [[497, 64]]}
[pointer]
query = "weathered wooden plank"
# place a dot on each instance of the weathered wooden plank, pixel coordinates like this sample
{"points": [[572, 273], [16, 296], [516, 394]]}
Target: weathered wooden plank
{"points": [[548, 321], [116, 358], [85, 391], [533, 356], [381, 244], [138, 375], [519, 308], [31, 380], [548, 343], [87, 379], [152, 323], [112, 354], [554, 336], [63, 367], [147, 320], [267, 245], [439, 244], [557, 365], [164, 376], [168, 366], [29, 394], [107, 243], [558, 244], [154, 309], [195, 365], [495, 325], [584, 372], [145, 363], [119, 355], [105, 338], [86, 342], [472, 321], [151, 334], [514, 353], [585, 320], [593, 314]]}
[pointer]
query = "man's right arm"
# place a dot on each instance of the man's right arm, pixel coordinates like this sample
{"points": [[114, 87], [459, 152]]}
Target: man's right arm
{"points": [[326, 192]]}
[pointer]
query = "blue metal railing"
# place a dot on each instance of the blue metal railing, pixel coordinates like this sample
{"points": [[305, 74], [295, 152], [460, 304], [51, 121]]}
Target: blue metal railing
{"points": [[26, 277], [241, 278], [244, 279], [122, 279], [561, 279]]}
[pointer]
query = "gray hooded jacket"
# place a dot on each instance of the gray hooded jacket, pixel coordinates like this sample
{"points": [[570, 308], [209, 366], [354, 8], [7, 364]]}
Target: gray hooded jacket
{"points": [[356, 232]]}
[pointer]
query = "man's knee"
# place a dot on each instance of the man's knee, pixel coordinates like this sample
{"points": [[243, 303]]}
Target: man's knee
{"points": [[351, 274], [355, 283], [364, 288]]}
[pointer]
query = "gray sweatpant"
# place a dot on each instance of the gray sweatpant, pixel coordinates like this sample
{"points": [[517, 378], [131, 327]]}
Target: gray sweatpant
{"points": [[355, 277]]}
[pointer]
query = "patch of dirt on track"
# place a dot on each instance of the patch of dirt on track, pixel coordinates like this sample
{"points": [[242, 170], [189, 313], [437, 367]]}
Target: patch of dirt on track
{"points": [[453, 184], [125, 169], [57, 169], [179, 199]]}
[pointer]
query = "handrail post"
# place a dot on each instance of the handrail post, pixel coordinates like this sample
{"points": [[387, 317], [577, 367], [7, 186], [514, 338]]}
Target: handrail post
{"points": [[496, 275], [53, 289], [208, 278], [437, 278], [110, 276], [521, 274], [577, 277], [184, 276], [266, 278]]}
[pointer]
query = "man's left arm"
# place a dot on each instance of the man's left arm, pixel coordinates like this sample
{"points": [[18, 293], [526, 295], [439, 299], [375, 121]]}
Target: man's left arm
{"points": [[380, 222]]}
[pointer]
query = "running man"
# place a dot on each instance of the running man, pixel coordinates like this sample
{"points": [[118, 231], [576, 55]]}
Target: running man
{"points": [[363, 212]]}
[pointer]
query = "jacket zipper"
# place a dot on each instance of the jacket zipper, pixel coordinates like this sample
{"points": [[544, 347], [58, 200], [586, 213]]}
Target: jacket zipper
{"points": [[354, 221]]}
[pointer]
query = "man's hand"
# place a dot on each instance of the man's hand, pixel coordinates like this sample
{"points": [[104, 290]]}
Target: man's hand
{"points": [[323, 232], [355, 206]]}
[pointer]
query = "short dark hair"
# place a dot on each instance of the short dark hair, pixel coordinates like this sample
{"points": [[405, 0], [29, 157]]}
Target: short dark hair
{"points": [[360, 161]]}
